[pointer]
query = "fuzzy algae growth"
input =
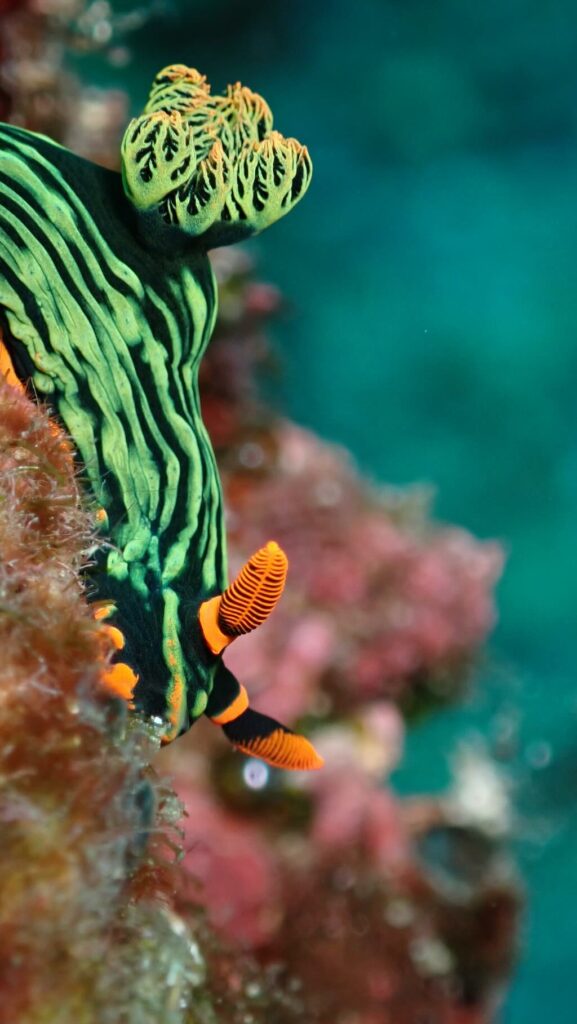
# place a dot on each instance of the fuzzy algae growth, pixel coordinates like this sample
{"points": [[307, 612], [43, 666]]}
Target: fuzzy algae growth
{"points": [[88, 873]]}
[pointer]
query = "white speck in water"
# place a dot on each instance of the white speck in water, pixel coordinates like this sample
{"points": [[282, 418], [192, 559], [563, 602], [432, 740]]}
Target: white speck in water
{"points": [[328, 493], [253, 990], [479, 796], [431, 957], [102, 31], [255, 774]]}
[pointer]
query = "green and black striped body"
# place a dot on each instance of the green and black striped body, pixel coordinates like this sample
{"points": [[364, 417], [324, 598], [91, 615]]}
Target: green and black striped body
{"points": [[107, 302], [110, 333]]}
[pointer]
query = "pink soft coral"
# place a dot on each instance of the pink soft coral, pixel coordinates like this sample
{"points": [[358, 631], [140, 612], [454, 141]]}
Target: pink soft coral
{"points": [[384, 598]]}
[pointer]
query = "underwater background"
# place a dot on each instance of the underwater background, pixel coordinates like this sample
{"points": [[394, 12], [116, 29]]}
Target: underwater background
{"points": [[431, 277]]}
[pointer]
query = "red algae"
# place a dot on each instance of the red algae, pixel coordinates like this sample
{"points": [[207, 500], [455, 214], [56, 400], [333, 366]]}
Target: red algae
{"points": [[80, 912]]}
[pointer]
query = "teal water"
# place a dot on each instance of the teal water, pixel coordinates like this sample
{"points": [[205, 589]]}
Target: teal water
{"points": [[432, 272]]}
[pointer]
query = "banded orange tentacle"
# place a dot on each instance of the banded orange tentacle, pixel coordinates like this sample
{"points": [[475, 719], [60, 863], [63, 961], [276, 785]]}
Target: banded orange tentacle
{"points": [[252, 596]]}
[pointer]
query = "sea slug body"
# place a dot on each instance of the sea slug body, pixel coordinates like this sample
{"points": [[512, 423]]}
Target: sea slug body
{"points": [[107, 303]]}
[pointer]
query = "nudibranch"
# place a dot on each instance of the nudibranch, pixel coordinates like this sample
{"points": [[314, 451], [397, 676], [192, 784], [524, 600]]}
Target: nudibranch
{"points": [[107, 302]]}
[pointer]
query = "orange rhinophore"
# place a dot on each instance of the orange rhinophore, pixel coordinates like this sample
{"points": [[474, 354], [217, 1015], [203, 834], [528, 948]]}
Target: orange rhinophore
{"points": [[252, 596], [248, 601]]}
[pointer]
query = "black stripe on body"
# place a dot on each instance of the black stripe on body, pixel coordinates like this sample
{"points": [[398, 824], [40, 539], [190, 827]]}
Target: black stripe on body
{"points": [[114, 381]]}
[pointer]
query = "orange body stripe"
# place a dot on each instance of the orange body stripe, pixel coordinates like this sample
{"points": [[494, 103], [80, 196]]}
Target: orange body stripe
{"points": [[103, 611], [7, 369], [239, 704], [284, 750], [101, 517], [208, 618], [176, 704], [120, 680], [116, 636]]}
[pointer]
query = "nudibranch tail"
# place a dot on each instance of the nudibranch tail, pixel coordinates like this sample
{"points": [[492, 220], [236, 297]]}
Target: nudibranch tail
{"points": [[254, 733], [248, 601], [261, 736]]}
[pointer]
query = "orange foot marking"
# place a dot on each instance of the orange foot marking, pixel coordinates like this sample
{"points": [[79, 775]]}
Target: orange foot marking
{"points": [[120, 680]]}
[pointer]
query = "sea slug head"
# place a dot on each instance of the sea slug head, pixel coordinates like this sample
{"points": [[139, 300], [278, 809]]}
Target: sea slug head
{"points": [[209, 167]]}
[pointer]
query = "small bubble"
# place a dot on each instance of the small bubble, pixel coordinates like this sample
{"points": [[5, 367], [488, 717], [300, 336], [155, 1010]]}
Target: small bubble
{"points": [[539, 754], [102, 32], [119, 56], [251, 455]]}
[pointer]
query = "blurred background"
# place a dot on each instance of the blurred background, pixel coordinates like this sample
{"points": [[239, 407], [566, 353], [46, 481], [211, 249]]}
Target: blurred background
{"points": [[428, 325]]}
